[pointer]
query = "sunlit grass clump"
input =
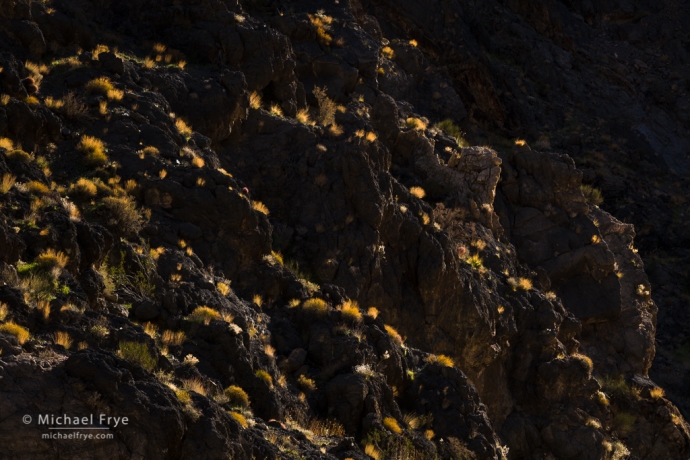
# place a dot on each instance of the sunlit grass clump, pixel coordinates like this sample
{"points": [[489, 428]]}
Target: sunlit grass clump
{"points": [[22, 334], [350, 311], [315, 306], [204, 315], [138, 353], [266, 377], [93, 150], [237, 396], [397, 338], [392, 425], [442, 360]]}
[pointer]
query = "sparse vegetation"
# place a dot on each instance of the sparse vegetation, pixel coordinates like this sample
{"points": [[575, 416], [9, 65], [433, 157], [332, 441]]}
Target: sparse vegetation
{"points": [[394, 334], [93, 150], [392, 425], [124, 214], [241, 419], [265, 376], [327, 107], [306, 384], [173, 338], [315, 306], [442, 360], [138, 353], [453, 131], [592, 195], [183, 128], [418, 192], [350, 311], [236, 396], [204, 315], [62, 338], [6, 183], [11, 328], [584, 361], [259, 206]]}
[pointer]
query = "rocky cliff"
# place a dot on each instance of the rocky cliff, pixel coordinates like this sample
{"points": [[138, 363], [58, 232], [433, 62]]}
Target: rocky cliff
{"points": [[347, 230]]}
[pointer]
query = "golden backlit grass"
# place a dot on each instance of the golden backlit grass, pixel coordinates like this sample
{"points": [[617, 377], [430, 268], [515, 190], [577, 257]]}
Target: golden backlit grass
{"points": [[265, 377], [93, 150], [241, 419], [442, 360], [237, 396], [21, 333], [350, 311], [6, 183], [204, 315], [62, 338], [392, 425], [173, 338], [100, 85], [397, 338], [418, 192], [315, 306], [259, 206]]}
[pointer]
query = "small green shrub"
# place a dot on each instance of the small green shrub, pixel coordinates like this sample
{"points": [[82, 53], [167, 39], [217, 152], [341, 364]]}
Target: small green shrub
{"points": [[237, 396], [453, 131], [592, 195], [138, 353]]}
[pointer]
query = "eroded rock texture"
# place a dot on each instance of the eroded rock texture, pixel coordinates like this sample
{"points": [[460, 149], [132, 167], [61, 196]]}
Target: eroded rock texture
{"points": [[281, 243]]}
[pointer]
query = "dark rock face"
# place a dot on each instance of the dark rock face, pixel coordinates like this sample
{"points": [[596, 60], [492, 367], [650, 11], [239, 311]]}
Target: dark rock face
{"points": [[243, 282]]}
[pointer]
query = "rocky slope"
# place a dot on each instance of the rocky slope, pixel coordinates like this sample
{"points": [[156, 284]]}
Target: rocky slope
{"points": [[257, 229]]}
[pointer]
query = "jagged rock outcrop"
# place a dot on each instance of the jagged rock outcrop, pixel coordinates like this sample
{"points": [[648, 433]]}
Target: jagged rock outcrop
{"points": [[181, 244]]}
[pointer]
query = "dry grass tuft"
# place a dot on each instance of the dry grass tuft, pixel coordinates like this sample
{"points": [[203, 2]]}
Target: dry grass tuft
{"points": [[259, 206], [93, 150], [239, 418], [416, 123], [236, 396], [16, 330], [204, 315], [315, 306], [372, 452], [373, 312], [52, 260], [255, 101], [124, 214], [83, 188], [265, 376], [62, 338], [350, 311], [73, 107], [394, 334], [418, 192], [194, 384], [6, 183], [3, 311], [183, 128], [657, 392], [100, 85], [37, 188], [306, 384], [198, 162], [442, 360], [137, 353], [173, 338], [392, 425], [223, 288], [303, 117]]}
